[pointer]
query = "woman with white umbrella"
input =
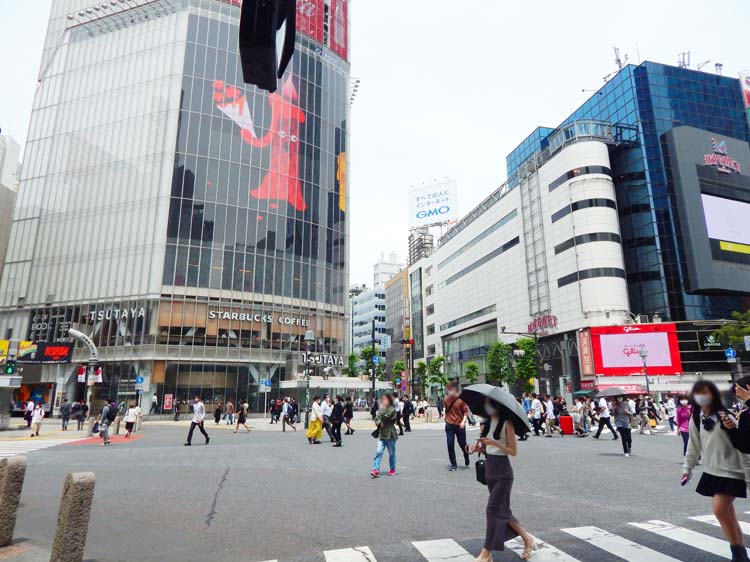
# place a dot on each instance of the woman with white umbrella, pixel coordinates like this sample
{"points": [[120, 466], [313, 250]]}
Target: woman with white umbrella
{"points": [[504, 418]]}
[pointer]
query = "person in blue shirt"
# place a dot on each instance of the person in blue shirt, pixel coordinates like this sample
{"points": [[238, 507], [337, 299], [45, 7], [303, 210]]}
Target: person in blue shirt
{"points": [[526, 402]]}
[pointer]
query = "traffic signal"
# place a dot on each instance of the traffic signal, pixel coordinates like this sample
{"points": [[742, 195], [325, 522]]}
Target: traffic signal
{"points": [[407, 341], [10, 367], [259, 22]]}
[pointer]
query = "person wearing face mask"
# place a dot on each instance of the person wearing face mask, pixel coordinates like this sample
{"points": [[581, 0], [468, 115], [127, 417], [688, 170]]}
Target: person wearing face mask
{"points": [[723, 477], [456, 412], [497, 442], [623, 417], [682, 417]]}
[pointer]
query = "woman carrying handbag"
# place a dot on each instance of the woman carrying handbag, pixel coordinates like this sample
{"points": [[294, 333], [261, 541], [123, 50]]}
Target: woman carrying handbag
{"points": [[498, 442]]}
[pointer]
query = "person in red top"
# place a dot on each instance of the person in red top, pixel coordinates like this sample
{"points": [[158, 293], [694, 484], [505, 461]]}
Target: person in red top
{"points": [[456, 413]]}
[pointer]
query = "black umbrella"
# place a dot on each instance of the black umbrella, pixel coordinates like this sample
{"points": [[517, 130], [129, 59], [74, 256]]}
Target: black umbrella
{"points": [[474, 397], [611, 392]]}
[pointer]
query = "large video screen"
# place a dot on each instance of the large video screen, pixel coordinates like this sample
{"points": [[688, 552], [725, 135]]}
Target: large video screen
{"points": [[624, 350], [617, 350], [727, 220]]}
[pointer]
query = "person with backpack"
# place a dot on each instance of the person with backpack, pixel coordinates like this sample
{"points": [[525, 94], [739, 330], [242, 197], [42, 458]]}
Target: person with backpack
{"points": [[287, 415], [106, 418], [37, 415], [723, 477], [456, 413], [242, 416], [337, 418], [75, 410]]}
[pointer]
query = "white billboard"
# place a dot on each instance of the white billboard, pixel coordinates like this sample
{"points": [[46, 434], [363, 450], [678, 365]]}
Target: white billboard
{"points": [[726, 219], [433, 204]]}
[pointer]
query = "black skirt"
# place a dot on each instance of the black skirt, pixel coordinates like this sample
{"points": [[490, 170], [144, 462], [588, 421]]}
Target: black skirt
{"points": [[710, 485]]}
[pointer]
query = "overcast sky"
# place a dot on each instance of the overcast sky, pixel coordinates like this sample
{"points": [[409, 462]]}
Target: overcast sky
{"points": [[447, 91]]}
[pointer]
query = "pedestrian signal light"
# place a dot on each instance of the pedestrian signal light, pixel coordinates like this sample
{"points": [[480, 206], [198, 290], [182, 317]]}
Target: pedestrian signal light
{"points": [[10, 368]]}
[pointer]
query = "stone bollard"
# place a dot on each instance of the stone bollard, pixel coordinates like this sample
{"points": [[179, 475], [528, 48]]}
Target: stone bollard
{"points": [[73, 517], [12, 473]]}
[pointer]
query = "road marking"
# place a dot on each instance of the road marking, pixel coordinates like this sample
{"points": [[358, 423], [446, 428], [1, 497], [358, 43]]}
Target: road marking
{"points": [[711, 520], [686, 536], [359, 554], [443, 550], [618, 546], [23, 446], [544, 553]]}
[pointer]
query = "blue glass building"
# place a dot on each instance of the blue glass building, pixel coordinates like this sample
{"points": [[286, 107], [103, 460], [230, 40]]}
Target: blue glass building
{"points": [[656, 99]]}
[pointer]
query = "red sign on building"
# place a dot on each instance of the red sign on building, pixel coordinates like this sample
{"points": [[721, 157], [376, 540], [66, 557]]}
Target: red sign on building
{"points": [[339, 26], [621, 350]]}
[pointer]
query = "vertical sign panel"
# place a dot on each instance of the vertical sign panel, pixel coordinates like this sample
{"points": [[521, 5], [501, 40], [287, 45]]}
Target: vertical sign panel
{"points": [[339, 27], [745, 83]]}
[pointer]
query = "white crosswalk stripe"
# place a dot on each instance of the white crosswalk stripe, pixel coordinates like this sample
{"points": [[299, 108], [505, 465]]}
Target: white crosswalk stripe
{"points": [[443, 551], [618, 546], [544, 553], [688, 537], [711, 520], [23, 446], [359, 554], [595, 539]]}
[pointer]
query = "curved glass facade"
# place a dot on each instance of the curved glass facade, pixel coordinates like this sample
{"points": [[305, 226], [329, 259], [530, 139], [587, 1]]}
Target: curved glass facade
{"points": [[193, 226]]}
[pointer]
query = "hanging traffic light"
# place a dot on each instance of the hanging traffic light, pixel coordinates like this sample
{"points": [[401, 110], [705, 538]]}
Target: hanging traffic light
{"points": [[10, 367]]}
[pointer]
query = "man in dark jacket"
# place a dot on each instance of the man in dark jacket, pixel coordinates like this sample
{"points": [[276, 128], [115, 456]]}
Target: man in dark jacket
{"points": [[407, 412], [337, 418], [65, 410]]}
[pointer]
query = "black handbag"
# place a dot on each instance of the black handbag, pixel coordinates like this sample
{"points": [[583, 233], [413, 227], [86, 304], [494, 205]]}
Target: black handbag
{"points": [[481, 471]]}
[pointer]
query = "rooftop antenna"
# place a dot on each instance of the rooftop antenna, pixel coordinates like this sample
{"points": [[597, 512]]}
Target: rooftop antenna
{"points": [[683, 59], [620, 62], [701, 65], [718, 66]]}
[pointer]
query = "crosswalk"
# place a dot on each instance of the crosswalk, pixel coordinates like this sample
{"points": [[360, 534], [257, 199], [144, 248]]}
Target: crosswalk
{"points": [[19, 446], [593, 541]]}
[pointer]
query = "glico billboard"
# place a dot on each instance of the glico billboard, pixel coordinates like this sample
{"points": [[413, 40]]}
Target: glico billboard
{"points": [[621, 350]]}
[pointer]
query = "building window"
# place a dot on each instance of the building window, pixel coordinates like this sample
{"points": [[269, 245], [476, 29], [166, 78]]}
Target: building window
{"points": [[590, 274], [481, 261], [466, 247], [584, 204], [468, 317], [586, 238], [428, 291], [431, 330], [582, 171], [430, 310], [431, 350]]}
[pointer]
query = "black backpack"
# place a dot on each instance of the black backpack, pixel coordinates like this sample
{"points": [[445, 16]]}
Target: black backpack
{"points": [[111, 413]]}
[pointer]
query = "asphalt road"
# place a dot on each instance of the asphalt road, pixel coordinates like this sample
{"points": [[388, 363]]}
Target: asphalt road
{"points": [[267, 495]]}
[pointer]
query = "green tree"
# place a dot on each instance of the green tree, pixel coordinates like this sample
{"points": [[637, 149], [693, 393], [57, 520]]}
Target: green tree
{"points": [[734, 333], [435, 375], [352, 369], [500, 364], [471, 372], [398, 368], [526, 365], [420, 371]]}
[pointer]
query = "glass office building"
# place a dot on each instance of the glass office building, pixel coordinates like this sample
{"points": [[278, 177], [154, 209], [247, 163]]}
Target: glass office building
{"points": [[193, 226], [658, 230]]}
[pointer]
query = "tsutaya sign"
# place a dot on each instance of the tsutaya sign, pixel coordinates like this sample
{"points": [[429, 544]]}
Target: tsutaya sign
{"points": [[240, 316], [117, 313], [323, 359], [719, 159]]}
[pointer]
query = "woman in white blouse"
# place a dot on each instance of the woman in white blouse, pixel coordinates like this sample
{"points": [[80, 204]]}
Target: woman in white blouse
{"points": [[131, 416], [498, 442]]}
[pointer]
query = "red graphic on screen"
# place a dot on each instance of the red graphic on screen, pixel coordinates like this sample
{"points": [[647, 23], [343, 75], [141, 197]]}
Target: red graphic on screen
{"points": [[281, 182]]}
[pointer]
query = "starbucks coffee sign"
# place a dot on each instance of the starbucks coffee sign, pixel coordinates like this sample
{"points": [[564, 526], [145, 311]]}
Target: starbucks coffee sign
{"points": [[260, 317]]}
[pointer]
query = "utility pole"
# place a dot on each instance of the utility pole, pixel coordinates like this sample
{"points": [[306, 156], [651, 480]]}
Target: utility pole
{"points": [[372, 361]]}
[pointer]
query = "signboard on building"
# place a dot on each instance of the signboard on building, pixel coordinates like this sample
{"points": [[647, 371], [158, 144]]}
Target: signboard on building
{"points": [[617, 350], [325, 359], [255, 316], [41, 353], [745, 83], [168, 400], [4, 347], [543, 323], [585, 354], [433, 204], [339, 28]]}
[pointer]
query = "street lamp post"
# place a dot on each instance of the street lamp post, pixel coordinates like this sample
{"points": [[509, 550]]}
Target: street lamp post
{"points": [[644, 355], [309, 340]]}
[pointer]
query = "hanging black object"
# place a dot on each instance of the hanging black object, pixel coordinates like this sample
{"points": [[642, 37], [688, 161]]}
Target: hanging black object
{"points": [[259, 23]]}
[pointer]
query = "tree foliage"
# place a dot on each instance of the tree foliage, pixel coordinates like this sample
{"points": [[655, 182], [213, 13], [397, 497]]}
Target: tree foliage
{"points": [[500, 364], [435, 375], [734, 333], [352, 368], [471, 372], [398, 368], [420, 371], [526, 366]]}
